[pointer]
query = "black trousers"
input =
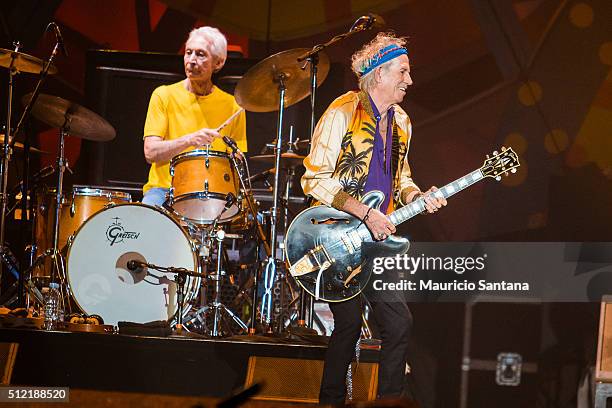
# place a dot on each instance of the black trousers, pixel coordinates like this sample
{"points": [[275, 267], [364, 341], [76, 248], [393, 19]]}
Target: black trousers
{"points": [[394, 321]]}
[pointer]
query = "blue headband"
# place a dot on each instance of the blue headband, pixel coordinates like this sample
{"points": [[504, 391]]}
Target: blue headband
{"points": [[383, 55]]}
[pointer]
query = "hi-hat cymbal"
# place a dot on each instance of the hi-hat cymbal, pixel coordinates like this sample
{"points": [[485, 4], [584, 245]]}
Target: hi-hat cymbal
{"points": [[23, 62], [18, 147], [287, 159], [79, 121], [258, 91]]}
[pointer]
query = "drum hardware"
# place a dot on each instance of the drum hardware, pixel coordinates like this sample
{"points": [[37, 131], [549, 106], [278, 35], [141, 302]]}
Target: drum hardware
{"points": [[72, 119], [251, 208], [206, 234], [17, 62], [180, 279], [216, 308], [286, 74], [76, 120]]}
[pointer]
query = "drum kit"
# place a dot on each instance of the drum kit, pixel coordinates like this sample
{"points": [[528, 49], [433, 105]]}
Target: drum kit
{"points": [[126, 261]]}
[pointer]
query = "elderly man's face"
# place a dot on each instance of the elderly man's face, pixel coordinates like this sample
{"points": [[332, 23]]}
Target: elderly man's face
{"points": [[395, 79], [198, 61]]}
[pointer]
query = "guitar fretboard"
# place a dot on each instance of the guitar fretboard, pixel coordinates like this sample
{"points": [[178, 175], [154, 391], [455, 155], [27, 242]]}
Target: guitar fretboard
{"points": [[418, 206]]}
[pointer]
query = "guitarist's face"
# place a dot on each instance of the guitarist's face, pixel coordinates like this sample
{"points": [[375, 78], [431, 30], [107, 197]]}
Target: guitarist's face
{"points": [[395, 79]]}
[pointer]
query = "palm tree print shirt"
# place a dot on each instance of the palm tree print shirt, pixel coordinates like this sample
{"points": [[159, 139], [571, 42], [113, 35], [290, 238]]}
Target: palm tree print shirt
{"points": [[342, 146]]}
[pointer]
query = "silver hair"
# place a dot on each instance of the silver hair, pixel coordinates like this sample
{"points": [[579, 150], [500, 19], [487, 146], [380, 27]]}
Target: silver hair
{"points": [[360, 59], [214, 37]]}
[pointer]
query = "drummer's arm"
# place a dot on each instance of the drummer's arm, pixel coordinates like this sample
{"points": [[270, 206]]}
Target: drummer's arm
{"points": [[157, 150]]}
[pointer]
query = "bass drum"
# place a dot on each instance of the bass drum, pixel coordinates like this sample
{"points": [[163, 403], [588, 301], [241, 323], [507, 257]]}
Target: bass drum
{"points": [[100, 280]]}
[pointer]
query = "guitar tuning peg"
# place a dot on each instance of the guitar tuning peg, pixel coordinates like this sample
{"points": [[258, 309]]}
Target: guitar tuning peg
{"points": [[498, 178], [503, 148], [506, 173], [513, 171], [488, 156], [495, 153]]}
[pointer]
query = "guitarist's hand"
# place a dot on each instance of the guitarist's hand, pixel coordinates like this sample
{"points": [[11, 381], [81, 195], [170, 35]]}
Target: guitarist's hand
{"points": [[433, 203], [379, 225]]}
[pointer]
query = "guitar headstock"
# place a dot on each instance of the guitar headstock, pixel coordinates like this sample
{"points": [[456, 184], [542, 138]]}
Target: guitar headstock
{"points": [[500, 163]]}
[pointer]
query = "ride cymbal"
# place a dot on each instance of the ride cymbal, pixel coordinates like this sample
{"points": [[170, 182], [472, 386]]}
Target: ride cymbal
{"points": [[78, 120], [258, 90]]}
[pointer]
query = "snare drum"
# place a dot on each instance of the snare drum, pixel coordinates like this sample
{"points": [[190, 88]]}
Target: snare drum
{"points": [[98, 276], [76, 209], [204, 183]]}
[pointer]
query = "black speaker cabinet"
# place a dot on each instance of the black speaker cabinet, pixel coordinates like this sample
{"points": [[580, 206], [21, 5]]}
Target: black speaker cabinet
{"points": [[119, 86]]}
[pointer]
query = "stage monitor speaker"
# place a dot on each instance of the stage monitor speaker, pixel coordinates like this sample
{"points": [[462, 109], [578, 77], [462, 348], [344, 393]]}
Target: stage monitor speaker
{"points": [[298, 380], [8, 354], [603, 365]]}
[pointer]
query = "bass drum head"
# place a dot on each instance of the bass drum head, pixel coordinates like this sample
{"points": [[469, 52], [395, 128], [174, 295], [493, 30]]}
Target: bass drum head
{"points": [[102, 284]]}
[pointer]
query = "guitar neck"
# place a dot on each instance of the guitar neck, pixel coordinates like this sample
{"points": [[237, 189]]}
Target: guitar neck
{"points": [[418, 206]]}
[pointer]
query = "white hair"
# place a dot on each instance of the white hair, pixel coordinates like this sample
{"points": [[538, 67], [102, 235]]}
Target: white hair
{"points": [[360, 59], [216, 40]]}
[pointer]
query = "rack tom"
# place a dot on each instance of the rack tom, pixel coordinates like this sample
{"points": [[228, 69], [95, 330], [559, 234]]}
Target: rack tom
{"points": [[204, 187]]}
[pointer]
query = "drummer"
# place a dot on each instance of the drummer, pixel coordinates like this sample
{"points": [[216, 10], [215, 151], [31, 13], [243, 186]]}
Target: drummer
{"points": [[183, 116]]}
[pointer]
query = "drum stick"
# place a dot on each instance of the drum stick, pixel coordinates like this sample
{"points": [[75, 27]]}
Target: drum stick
{"points": [[227, 122]]}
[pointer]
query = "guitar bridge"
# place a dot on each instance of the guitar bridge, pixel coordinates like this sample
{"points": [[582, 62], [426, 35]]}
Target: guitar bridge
{"points": [[310, 262]]}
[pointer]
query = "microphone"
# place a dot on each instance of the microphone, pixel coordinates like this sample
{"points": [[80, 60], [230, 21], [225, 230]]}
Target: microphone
{"points": [[58, 37], [44, 172], [230, 143], [135, 264], [367, 22], [230, 199]]}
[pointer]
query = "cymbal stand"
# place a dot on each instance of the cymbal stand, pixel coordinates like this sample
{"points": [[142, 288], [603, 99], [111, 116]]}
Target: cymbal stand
{"points": [[10, 139], [271, 262], [248, 197], [58, 274], [283, 276], [6, 152]]}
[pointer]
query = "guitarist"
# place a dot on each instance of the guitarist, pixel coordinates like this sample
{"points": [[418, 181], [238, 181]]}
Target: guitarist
{"points": [[361, 144]]}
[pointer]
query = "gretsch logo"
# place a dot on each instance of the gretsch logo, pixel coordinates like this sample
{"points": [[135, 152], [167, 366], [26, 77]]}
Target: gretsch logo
{"points": [[115, 233]]}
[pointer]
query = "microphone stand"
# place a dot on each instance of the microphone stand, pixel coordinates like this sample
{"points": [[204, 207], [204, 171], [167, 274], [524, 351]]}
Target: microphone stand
{"points": [[312, 59], [10, 143], [180, 278]]}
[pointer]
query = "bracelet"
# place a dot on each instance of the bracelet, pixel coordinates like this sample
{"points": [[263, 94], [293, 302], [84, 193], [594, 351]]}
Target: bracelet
{"points": [[365, 217], [417, 196]]}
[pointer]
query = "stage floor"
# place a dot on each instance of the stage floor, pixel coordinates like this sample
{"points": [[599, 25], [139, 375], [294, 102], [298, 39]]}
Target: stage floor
{"points": [[173, 366]]}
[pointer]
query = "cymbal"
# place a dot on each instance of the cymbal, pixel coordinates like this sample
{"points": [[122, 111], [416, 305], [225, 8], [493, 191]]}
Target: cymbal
{"points": [[23, 62], [19, 147], [258, 91], [81, 122], [287, 159]]}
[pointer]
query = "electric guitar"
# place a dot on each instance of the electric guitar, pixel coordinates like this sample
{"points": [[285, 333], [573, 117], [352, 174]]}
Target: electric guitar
{"points": [[324, 245]]}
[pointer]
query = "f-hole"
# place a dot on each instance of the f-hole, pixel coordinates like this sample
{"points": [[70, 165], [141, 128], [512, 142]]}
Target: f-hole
{"points": [[329, 221]]}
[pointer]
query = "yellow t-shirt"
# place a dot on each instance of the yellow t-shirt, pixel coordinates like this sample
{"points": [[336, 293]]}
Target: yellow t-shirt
{"points": [[174, 112]]}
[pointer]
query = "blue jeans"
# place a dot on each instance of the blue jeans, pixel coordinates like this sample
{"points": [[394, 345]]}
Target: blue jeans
{"points": [[155, 196]]}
